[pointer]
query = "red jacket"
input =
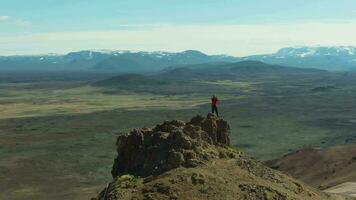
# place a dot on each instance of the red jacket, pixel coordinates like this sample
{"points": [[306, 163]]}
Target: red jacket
{"points": [[214, 101]]}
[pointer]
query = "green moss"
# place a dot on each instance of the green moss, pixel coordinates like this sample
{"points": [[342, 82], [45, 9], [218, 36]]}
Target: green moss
{"points": [[125, 181]]}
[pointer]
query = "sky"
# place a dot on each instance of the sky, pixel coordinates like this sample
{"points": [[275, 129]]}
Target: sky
{"points": [[234, 27]]}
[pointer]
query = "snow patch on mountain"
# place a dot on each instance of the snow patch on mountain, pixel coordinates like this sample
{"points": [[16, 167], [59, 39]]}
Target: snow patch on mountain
{"points": [[309, 52], [316, 51]]}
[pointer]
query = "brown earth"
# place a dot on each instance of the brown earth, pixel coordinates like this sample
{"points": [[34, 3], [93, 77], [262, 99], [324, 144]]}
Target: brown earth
{"points": [[322, 168], [332, 169], [348, 189]]}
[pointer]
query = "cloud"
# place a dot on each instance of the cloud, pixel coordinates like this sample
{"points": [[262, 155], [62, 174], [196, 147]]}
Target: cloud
{"points": [[16, 22], [239, 40], [4, 18], [22, 23]]}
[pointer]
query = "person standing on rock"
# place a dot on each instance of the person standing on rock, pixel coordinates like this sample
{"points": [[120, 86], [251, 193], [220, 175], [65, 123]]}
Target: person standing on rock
{"points": [[214, 105]]}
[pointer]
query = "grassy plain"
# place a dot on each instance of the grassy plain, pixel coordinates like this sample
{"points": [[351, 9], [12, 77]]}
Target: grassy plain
{"points": [[57, 139]]}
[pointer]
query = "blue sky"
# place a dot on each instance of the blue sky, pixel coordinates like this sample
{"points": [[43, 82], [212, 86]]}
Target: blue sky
{"points": [[237, 27]]}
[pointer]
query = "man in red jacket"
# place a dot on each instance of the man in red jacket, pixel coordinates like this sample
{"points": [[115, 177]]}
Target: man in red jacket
{"points": [[214, 105]]}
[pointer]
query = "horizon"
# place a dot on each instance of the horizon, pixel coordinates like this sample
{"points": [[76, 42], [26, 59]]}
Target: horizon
{"points": [[236, 28], [158, 51]]}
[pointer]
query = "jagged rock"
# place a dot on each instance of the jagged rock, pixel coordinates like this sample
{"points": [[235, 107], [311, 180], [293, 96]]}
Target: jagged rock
{"points": [[196, 120], [223, 128], [177, 160], [169, 145]]}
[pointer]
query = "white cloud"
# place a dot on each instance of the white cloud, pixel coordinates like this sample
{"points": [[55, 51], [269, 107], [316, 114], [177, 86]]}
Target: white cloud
{"points": [[236, 40], [4, 18]]}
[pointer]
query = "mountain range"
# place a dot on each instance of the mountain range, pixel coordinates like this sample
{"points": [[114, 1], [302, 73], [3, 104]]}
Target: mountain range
{"points": [[103, 60], [326, 58]]}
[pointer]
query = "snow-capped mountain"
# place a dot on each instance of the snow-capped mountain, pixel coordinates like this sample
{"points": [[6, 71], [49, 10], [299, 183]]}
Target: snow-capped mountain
{"points": [[126, 61], [329, 58], [317, 51]]}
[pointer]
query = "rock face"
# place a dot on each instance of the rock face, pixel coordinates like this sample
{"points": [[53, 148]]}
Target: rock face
{"points": [[145, 152], [183, 161]]}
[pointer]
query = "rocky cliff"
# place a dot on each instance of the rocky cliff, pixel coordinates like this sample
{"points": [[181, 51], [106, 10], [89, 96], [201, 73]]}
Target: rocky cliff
{"points": [[194, 160]]}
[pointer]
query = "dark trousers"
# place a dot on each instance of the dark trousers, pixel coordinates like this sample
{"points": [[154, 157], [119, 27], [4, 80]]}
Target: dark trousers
{"points": [[214, 109]]}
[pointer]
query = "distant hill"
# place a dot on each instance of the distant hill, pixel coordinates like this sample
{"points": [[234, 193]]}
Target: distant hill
{"points": [[128, 80], [326, 58], [180, 73], [122, 64], [321, 168], [209, 71], [244, 69]]}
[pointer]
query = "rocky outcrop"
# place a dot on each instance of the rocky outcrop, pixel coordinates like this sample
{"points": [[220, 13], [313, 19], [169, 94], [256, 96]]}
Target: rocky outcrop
{"points": [[183, 161], [172, 144]]}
